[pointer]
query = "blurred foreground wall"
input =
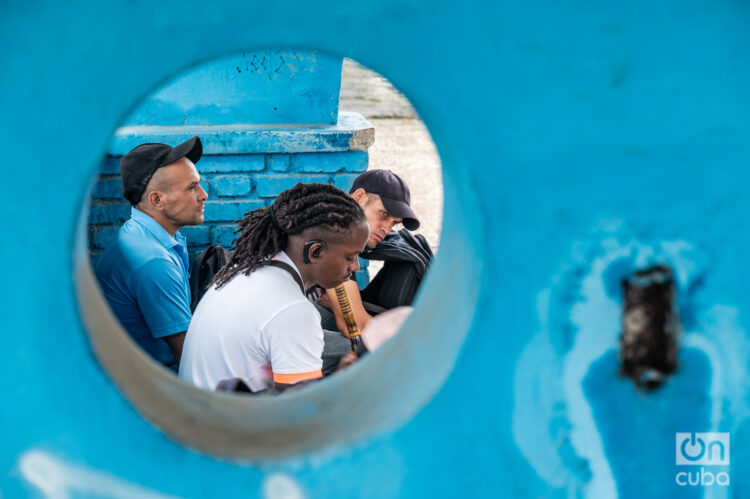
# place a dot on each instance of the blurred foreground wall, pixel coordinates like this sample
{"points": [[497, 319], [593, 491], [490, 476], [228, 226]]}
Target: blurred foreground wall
{"points": [[579, 141]]}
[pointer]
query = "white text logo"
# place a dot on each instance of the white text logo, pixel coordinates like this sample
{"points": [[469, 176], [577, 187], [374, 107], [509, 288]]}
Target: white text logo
{"points": [[706, 449], [702, 449]]}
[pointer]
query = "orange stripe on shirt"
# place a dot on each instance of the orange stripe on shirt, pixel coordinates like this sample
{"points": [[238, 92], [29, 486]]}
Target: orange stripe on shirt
{"points": [[288, 379]]}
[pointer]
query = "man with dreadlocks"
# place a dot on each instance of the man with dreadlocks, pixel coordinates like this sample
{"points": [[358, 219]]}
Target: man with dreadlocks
{"points": [[255, 322]]}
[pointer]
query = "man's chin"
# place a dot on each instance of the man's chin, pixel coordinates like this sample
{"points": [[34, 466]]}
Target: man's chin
{"points": [[335, 284]]}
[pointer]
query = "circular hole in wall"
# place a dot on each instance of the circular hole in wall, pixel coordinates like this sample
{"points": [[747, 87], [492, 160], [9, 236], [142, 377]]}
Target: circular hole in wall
{"points": [[268, 119]]}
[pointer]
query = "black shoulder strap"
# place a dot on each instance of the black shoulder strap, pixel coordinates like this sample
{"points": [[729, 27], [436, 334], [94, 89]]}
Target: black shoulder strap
{"points": [[290, 269]]}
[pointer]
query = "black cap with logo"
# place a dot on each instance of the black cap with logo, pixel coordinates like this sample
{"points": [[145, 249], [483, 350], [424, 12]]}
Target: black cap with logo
{"points": [[392, 191], [138, 166]]}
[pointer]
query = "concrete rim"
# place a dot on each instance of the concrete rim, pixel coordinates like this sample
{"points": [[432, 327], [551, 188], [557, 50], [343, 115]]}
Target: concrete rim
{"points": [[381, 392]]}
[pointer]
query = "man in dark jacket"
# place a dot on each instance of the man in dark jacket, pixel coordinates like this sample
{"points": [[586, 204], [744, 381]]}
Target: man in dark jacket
{"points": [[385, 199]]}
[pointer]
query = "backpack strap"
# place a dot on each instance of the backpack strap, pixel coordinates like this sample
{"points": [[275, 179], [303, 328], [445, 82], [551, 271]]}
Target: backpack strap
{"points": [[290, 269]]}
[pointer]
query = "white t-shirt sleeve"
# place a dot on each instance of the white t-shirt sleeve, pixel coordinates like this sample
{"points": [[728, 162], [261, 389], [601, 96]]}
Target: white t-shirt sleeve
{"points": [[295, 343]]}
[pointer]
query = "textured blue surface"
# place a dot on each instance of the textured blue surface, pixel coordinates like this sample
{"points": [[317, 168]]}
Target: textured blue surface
{"points": [[595, 138], [265, 86], [633, 425], [248, 138]]}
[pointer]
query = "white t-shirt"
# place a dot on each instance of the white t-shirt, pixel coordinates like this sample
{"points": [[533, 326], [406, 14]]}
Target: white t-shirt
{"points": [[258, 327]]}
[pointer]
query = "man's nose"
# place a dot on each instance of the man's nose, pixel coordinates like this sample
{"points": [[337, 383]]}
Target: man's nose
{"points": [[202, 195], [355, 266]]}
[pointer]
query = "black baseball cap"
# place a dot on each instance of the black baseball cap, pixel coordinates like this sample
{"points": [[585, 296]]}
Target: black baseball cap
{"points": [[392, 191], [138, 166]]}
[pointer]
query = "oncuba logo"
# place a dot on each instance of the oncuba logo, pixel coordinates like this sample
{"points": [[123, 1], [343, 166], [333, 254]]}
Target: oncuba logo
{"points": [[702, 449]]}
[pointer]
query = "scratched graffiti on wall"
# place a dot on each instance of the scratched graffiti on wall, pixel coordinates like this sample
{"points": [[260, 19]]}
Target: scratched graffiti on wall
{"points": [[271, 86], [277, 63]]}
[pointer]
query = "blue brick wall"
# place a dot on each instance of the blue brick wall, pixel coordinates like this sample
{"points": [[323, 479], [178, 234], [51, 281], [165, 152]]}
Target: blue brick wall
{"points": [[235, 185]]}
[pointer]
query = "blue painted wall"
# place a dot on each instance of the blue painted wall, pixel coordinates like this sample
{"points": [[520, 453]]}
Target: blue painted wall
{"points": [[268, 119], [264, 86], [595, 137]]}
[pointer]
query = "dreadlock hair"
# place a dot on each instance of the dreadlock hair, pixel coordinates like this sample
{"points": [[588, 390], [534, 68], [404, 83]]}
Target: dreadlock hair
{"points": [[264, 232]]}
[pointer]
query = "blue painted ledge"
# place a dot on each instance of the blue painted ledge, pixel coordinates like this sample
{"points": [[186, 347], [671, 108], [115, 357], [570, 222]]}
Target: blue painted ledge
{"points": [[352, 133]]}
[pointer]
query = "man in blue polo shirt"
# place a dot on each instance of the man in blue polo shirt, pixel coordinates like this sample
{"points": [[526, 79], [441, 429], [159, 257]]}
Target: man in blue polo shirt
{"points": [[144, 274]]}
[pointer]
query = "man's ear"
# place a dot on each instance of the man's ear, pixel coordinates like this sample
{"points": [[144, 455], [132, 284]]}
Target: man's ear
{"points": [[154, 198], [360, 196], [312, 250]]}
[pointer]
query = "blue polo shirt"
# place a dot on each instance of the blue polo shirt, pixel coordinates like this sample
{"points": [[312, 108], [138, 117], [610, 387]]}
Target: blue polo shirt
{"points": [[144, 276]]}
